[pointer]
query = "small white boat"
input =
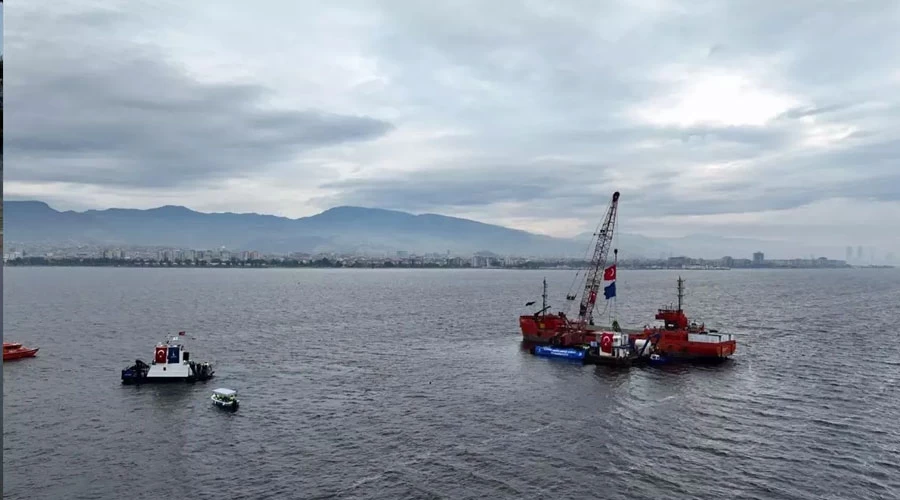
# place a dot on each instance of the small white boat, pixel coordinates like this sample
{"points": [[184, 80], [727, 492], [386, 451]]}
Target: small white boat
{"points": [[226, 398]]}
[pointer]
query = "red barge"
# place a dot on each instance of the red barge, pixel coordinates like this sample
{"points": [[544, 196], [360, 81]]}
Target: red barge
{"points": [[676, 339]]}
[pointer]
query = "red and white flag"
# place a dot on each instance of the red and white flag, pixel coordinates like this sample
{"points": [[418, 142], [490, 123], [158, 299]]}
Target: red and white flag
{"points": [[606, 342], [609, 274]]}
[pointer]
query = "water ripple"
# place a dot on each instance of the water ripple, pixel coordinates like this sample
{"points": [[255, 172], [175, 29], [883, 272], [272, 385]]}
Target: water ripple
{"points": [[412, 384]]}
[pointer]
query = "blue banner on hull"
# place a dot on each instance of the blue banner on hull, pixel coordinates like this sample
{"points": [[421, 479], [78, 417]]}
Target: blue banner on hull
{"points": [[556, 352]]}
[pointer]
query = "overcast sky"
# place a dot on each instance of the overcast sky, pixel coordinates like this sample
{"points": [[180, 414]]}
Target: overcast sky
{"points": [[776, 120]]}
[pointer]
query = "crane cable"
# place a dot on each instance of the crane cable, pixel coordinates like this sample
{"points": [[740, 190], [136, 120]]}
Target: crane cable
{"points": [[587, 254]]}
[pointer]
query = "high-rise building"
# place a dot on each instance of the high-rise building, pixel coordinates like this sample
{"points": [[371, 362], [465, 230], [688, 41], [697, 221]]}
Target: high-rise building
{"points": [[849, 253], [859, 252], [758, 258]]}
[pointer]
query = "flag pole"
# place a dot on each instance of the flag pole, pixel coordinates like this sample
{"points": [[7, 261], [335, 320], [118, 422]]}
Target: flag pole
{"points": [[615, 311]]}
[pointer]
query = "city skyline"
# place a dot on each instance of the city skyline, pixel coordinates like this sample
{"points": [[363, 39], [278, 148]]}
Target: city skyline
{"points": [[163, 254]]}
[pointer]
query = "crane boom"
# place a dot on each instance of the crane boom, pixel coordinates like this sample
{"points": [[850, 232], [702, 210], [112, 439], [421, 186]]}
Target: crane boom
{"points": [[594, 276]]}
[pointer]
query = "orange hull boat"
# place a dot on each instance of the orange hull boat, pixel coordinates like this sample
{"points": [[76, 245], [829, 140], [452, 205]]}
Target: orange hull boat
{"points": [[16, 351]]}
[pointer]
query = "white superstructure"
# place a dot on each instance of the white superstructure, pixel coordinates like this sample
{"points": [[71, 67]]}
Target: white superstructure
{"points": [[169, 361]]}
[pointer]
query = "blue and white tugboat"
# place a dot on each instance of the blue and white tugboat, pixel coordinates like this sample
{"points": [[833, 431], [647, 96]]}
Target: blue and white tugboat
{"points": [[171, 363]]}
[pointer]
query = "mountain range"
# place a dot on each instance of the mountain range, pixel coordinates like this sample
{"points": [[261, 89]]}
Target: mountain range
{"points": [[340, 229]]}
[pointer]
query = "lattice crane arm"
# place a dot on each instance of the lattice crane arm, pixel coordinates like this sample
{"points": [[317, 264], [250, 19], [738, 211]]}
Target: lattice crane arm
{"points": [[594, 276]]}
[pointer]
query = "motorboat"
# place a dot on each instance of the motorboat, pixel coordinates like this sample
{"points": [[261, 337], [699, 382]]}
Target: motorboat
{"points": [[225, 398], [14, 350]]}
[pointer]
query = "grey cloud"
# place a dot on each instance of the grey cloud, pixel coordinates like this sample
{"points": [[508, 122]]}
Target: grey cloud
{"points": [[565, 71], [470, 186], [801, 112], [520, 82], [864, 172], [88, 110]]}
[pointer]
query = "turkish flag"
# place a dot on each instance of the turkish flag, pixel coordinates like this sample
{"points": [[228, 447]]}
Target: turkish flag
{"points": [[161, 354], [609, 273], [606, 342]]}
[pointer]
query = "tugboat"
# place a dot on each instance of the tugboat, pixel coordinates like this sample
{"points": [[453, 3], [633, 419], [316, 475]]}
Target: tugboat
{"points": [[14, 350], [677, 339], [171, 363]]}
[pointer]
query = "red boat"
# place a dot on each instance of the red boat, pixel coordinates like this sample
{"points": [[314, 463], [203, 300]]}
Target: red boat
{"points": [[679, 339], [676, 339], [558, 329], [14, 350]]}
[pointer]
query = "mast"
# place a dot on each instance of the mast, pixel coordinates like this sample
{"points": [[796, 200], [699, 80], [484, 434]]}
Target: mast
{"points": [[680, 292], [594, 276], [544, 298]]}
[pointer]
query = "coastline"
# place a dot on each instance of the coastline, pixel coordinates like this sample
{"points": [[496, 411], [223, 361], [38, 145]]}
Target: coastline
{"points": [[338, 264]]}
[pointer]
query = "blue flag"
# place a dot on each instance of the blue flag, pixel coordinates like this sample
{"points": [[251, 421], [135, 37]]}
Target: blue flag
{"points": [[609, 291]]}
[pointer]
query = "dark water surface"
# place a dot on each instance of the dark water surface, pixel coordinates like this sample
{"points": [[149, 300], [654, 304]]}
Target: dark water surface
{"points": [[413, 384]]}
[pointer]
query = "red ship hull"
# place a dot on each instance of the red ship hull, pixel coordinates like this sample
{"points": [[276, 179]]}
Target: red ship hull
{"points": [[553, 329], [687, 344], [16, 351], [541, 329]]}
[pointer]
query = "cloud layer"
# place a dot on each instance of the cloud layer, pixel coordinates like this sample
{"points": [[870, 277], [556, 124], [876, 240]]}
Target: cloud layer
{"points": [[734, 118], [119, 114]]}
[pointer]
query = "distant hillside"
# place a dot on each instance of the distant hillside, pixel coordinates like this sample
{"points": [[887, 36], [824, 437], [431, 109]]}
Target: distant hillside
{"points": [[338, 229], [346, 229]]}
